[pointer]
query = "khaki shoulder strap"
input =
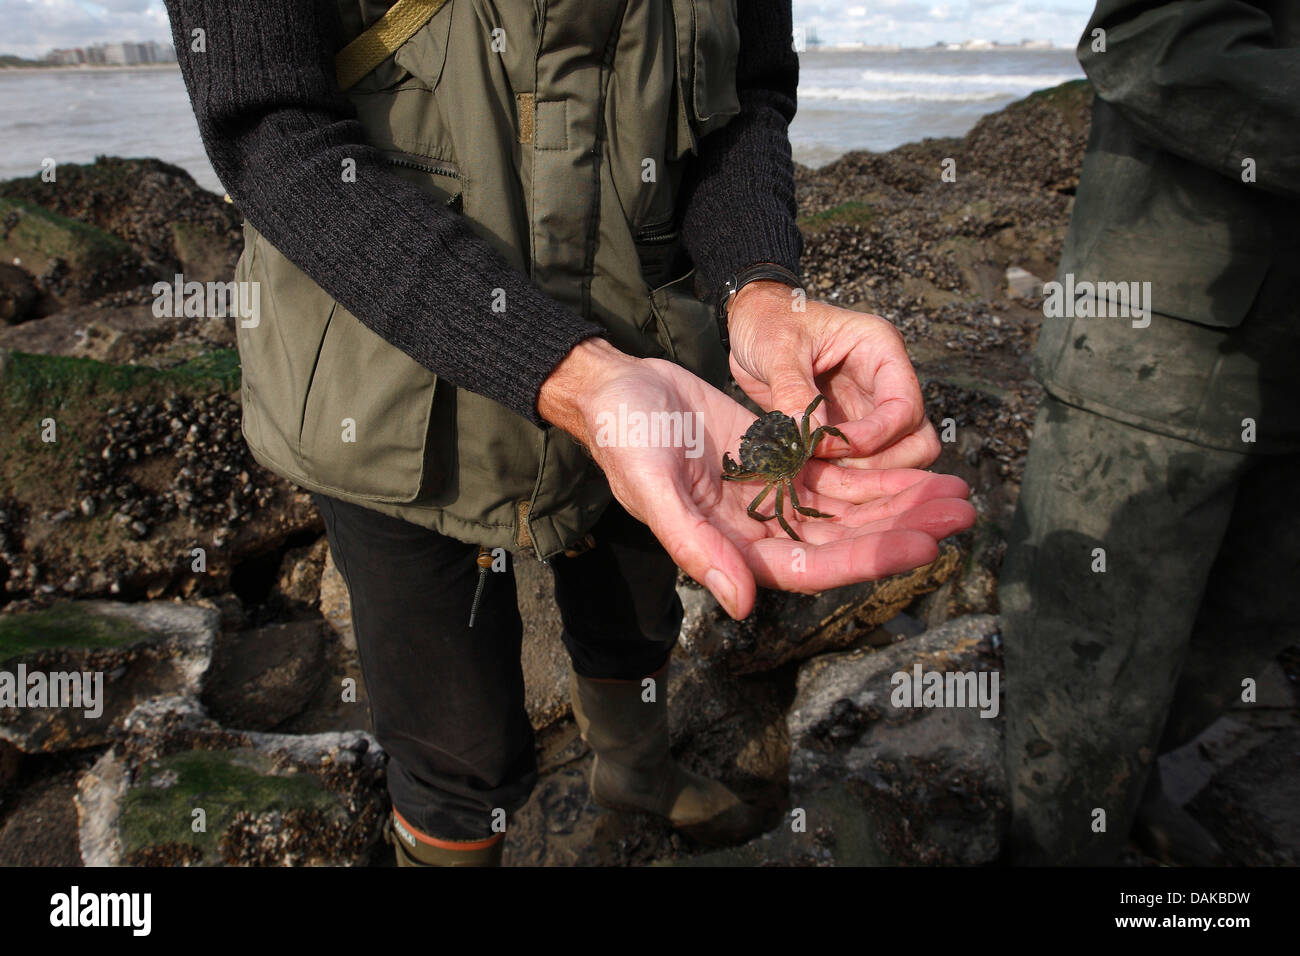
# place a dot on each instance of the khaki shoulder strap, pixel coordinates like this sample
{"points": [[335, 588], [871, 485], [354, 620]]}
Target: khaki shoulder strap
{"points": [[382, 38]]}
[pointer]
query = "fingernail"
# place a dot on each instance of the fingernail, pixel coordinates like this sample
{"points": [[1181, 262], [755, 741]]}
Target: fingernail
{"points": [[722, 589]]}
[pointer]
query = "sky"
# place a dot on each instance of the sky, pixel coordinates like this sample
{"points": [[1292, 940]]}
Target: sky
{"points": [[33, 27]]}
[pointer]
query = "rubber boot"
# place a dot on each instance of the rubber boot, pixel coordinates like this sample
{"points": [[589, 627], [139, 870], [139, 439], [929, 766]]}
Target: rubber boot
{"points": [[634, 768], [1169, 833], [413, 848]]}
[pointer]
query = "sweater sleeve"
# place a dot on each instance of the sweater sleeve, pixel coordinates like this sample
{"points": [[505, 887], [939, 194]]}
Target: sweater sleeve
{"points": [[740, 201], [277, 128]]}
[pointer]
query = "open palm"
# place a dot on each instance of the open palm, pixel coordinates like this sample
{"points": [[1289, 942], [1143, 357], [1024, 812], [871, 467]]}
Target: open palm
{"points": [[884, 521]]}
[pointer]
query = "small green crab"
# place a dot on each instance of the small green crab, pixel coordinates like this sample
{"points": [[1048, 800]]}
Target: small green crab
{"points": [[774, 449]]}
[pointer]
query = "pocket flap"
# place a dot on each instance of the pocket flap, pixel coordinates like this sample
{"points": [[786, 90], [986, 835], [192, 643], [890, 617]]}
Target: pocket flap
{"points": [[1192, 279]]}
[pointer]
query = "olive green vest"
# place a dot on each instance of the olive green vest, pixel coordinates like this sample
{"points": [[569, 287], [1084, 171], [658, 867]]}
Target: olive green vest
{"points": [[560, 129]]}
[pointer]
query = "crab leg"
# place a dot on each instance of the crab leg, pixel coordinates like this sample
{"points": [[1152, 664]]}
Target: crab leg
{"points": [[807, 412], [752, 510], [780, 501], [811, 443], [794, 501]]}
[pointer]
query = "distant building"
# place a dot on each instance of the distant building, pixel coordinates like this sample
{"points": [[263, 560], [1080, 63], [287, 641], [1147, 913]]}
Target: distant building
{"points": [[66, 57], [114, 54], [121, 54]]}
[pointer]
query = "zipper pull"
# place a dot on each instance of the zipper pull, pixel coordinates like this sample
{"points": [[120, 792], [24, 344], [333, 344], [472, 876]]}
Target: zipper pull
{"points": [[484, 562]]}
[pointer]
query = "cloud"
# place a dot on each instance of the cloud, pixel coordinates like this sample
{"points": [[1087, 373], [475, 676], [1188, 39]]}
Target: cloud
{"points": [[34, 27], [925, 22]]}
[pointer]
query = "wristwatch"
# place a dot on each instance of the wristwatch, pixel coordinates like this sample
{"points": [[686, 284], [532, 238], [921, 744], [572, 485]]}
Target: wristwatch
{"points": [[764, 270]]}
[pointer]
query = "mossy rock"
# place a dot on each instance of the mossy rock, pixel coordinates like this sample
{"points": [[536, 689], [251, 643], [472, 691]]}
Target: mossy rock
{"points": [[1069, 95], [205, 255], [40, 232], [850, 213], [65, 625], [27, 379], [76, 262], [76, 393], [157, 812]]}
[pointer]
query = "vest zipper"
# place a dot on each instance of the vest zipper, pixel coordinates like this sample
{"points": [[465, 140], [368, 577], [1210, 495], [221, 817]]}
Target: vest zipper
{"points": [[440, 169], [457, 201], [655, 234]]}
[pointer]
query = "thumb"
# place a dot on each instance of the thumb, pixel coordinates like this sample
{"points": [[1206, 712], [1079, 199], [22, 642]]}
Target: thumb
{"points": [[792, 387], [705, 553]]}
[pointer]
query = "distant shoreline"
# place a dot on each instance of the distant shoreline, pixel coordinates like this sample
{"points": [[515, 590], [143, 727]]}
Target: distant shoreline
{"points": [[25, 67]]}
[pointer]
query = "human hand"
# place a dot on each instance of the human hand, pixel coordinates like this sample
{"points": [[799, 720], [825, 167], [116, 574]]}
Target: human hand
{"points": [[784, 358], [883, 521]]}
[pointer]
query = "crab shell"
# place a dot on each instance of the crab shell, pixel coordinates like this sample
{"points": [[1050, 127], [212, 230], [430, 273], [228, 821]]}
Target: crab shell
{"points": [[773, 446]]}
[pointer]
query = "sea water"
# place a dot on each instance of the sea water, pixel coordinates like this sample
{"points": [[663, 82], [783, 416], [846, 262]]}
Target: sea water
{"points": [[849, 99]]}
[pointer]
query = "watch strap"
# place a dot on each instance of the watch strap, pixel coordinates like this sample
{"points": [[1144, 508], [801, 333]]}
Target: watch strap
{"points": [[769, 271]]}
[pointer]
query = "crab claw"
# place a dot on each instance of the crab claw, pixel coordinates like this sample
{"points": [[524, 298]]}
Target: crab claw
{"points": [[729, 464]]}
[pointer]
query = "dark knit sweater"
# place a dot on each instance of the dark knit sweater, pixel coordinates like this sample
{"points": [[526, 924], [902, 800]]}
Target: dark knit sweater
{"points": [[276, 128]]}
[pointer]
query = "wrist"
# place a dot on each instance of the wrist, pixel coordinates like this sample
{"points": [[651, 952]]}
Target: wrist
{"points": [[588, 368], [768, 274], [766, 292]]}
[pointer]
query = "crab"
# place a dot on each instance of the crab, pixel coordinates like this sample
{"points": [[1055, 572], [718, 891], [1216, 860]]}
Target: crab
{"points": [[774, 449]]}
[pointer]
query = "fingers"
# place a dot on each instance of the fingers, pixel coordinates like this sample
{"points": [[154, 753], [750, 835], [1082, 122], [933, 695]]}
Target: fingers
{"points": [[937, 517], [897, 409], [917, 450], [888, 423], [831, 480], [794, 566]]}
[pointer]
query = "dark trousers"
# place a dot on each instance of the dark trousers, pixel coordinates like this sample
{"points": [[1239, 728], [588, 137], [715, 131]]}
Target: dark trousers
{"points": [[1110, 665], [447, 700]]}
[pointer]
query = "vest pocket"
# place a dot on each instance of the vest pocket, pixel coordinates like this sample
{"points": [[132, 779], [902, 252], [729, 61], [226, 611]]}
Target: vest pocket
{"points": [[708, 38], [686, 329], [329, 404], [365, 418]]}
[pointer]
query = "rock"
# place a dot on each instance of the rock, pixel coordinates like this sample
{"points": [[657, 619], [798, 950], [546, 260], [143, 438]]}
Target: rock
{"points": [[731, 727], [170, 221], [1022, 284], [161, 501], [300, 573], [266, 799], [260, 678], [118, 335], [336, 603], [788, 627], [1038, 141], [11, 759], [204, 254], [1250, 805], [974, 588], [234, 617], [900, 785], [18, 294], [117, 654], [545, 659], [40, 822], [73, 263]]}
